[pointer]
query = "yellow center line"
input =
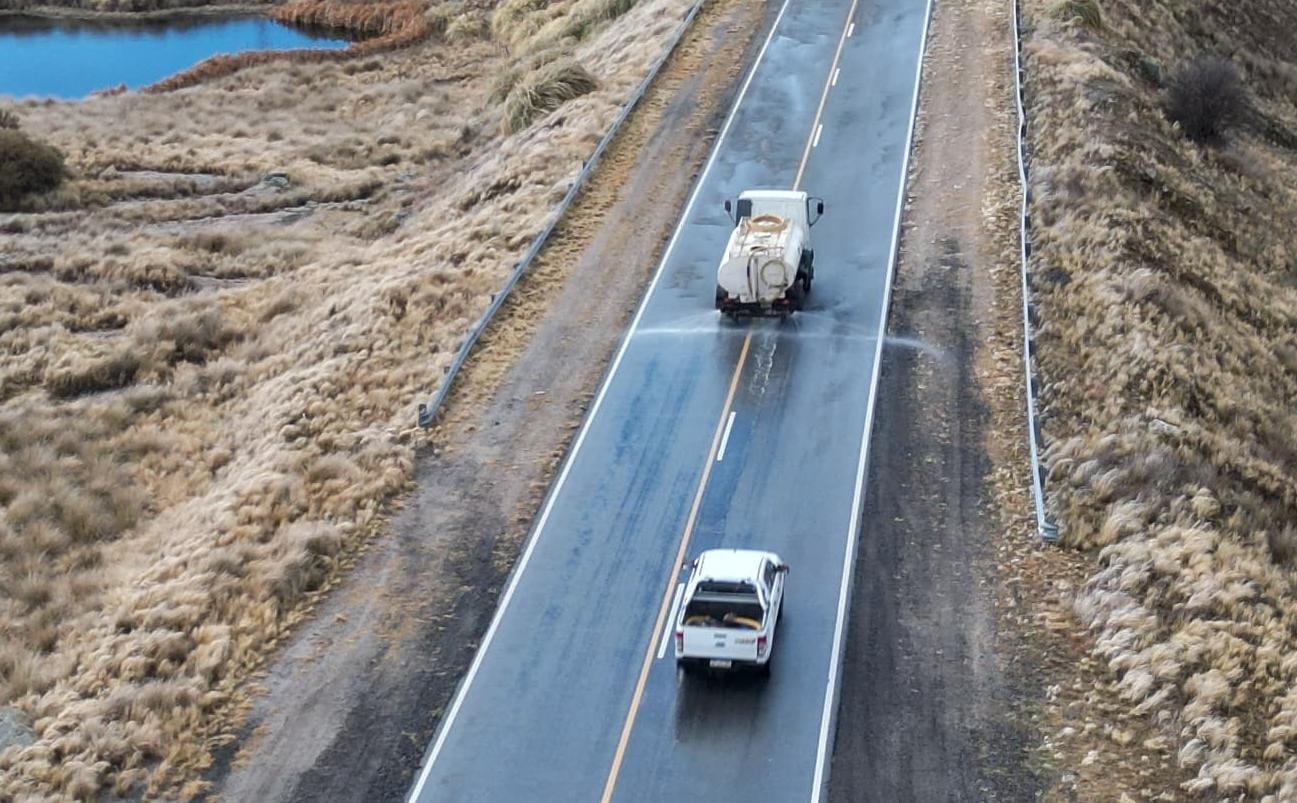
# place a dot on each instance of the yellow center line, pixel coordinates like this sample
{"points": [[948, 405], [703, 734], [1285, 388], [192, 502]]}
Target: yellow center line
{"points": [[824, 96], [664, 609], [611, 783]]}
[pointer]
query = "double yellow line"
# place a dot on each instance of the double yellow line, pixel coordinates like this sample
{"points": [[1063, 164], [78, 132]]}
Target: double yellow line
{"points": [[610, 785]]}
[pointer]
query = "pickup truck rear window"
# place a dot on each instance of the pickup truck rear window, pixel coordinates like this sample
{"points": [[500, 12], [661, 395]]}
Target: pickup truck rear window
{"points": [[725, 610], [722, 587]]}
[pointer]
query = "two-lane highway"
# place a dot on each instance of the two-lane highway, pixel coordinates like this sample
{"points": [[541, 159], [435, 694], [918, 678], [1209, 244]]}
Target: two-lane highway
{"points": [[706, 434]]}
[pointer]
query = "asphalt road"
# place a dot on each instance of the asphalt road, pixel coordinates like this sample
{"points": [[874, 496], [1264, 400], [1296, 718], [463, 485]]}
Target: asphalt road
{"points": [[568, 698]]}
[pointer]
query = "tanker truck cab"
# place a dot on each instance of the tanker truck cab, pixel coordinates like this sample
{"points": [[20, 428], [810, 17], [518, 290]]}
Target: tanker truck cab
{"points": [[729, 611], [769, 264]]}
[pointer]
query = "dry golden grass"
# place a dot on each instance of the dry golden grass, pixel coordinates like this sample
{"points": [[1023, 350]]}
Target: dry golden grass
{"points": [[1167, 282], [214, 338]]}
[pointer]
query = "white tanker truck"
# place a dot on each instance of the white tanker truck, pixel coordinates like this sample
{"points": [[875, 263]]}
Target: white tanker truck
{"points": [[769, 263]]}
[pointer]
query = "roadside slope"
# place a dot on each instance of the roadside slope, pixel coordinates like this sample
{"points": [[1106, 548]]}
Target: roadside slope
{"points": [[1168, 352]]}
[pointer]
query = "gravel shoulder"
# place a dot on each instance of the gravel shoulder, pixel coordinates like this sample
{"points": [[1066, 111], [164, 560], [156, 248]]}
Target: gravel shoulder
{"points": [[350, 703], [930, 709]]}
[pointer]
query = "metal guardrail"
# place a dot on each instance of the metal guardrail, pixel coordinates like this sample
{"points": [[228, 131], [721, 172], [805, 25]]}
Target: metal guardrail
{"points": [[1048, 530], [428, 412]]}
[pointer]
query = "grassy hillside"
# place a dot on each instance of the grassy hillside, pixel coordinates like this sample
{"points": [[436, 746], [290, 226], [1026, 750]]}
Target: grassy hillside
{"points": [[1167, 280], [214, 335]]}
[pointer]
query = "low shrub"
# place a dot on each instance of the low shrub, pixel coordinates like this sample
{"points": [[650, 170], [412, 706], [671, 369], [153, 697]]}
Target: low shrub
{"points": [[1206, 98], [26, 167], [8, 120]]}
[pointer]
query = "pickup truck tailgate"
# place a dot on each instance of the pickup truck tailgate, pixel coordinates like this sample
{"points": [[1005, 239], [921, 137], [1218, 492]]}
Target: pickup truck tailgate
{"points": [[736, 644]]}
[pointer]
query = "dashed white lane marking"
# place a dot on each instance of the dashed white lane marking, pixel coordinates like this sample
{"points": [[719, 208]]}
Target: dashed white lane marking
{"points": [[818, 131], [836, 73], [725, 439], [671, 622]]}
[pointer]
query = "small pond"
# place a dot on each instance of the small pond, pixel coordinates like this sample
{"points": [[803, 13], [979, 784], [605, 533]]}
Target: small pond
{"points": [[65, 59]]}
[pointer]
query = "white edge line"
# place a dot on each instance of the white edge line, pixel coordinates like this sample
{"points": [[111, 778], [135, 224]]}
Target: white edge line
{"points": [[836, 72], [829, 713], [449, 721], [725, 439], [671, 621]]}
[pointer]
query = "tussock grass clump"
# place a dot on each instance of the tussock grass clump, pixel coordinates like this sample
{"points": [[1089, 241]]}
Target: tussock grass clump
{"points": [[9, 120], [27, 167], [543, 91], [1167, 354], [1206, 98], [531, 26], [468, 25], [77, 375], [186, 333], [1086, 12], [368, 19]]}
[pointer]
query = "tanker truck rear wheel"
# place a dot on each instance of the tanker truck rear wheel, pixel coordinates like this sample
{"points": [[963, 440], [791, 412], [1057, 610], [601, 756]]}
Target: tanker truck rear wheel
{"points": [[797, 295], [804, 281], [807, 271]]}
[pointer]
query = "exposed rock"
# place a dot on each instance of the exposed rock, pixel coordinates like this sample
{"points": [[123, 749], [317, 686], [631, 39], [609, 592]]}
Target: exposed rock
{"points": [[13, 730]]}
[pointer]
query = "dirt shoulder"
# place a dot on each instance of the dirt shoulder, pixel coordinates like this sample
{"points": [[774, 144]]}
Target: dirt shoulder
{"points": [[966, 673], [351, 702], [931, 709]]}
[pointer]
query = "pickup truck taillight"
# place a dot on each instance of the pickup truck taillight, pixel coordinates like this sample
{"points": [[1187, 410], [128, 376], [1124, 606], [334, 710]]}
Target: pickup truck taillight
{"points": [[761, 646], [680, 640]]}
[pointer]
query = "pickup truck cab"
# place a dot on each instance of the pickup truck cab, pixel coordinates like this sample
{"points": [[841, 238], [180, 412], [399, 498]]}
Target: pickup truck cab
{"points": [[729, 610]]}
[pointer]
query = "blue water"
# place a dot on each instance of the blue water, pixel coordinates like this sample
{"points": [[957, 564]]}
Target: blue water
{"points": [[70, 60]]}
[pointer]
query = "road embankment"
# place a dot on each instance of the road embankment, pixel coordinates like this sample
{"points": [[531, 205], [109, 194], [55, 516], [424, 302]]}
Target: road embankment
{"points": [[1160, 134]]}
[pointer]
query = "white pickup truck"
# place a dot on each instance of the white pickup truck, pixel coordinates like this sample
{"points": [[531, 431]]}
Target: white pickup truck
{"points": [[729, 610], [768, 263]]}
